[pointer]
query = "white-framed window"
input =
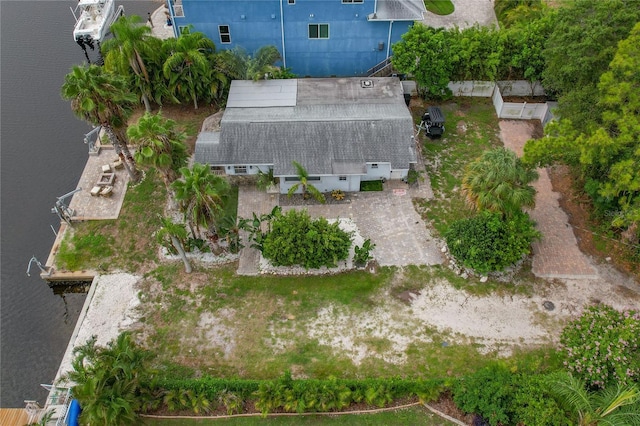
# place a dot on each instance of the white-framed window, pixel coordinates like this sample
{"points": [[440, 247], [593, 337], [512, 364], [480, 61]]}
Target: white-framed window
{"points": [[313, 178], [352, 1], [342, 178], [178, 11], [240, 170], [374, 166], [225, 34], [318, 31]]}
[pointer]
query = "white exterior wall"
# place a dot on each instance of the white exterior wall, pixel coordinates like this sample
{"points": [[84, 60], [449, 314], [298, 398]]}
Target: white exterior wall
{"points": [[252, 169], [398, 174], [325, 184], [382, 171]]}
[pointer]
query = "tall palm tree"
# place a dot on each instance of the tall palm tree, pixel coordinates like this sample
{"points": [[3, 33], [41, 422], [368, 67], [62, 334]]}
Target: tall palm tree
{"points": [[612, 406], [201, 194], [239, 65], [160, 144], [131, 42], [177, 233], [498, 181], [303, 183], [189, 67], [102, 99]]}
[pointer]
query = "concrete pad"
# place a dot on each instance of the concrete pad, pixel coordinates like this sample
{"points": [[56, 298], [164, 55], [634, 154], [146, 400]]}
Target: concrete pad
{"points": [[467, 13]]}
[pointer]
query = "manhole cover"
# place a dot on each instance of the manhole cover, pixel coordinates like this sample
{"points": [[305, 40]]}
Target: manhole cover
{"points": [[548, 305]]}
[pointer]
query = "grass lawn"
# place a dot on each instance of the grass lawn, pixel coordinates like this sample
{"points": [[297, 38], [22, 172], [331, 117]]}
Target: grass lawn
{"points": [[439, 7], [471, 129], [417, 416], [371, 185]]}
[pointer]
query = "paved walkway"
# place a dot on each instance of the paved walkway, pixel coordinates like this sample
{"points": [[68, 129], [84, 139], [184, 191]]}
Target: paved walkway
{"points": [[388, 218], [88, 207], [557, 255], [467, 13]]}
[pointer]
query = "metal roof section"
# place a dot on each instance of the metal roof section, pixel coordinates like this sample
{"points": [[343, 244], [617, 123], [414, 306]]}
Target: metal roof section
{"points": [[398, 10], [262, 93]]}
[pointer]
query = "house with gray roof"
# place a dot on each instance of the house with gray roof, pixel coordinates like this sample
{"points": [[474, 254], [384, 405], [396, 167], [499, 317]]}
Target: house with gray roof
{"points": [[341, 130]]}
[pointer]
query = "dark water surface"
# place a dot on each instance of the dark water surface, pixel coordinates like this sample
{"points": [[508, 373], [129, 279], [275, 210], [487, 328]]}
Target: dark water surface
{"points": [[41, 157]]}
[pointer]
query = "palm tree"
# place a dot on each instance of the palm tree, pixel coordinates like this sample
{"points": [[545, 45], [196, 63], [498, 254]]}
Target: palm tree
{"points": [[189, 67], [201, 194], [127, 49], [498, 181], [303, 183], [177, 233], [612, 406], [239, 65], [102, 99], [108, 381], [160, 145]]}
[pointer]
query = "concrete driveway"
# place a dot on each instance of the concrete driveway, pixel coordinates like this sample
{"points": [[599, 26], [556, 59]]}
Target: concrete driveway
{"points": [[466, 14]]}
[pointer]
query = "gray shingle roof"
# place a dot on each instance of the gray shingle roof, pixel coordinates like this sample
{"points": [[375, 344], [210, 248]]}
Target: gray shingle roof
{"points": [[326, 137]]}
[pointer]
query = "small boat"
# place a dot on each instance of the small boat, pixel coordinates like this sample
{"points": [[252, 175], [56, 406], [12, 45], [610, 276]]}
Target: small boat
{"points": [[93, 22]]}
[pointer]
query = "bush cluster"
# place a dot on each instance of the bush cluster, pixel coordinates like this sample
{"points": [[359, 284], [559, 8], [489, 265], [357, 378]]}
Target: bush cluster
{"points": [[503, 397], [488, 242], [289, 395], [602, 346], [296, 239]]}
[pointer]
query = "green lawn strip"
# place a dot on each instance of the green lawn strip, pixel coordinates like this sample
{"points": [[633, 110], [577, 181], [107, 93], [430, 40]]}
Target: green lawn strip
{"points": [[125, 243], [406, 416], [371, 185], [439, 7]]}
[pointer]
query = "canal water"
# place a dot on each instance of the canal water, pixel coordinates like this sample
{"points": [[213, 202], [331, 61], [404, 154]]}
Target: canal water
{"points": [[41, 157]]}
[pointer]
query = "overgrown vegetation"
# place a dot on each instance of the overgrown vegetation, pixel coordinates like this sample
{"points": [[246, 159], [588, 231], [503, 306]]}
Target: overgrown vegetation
{"points": [[296, 239], [371, 185], [488, 242]]}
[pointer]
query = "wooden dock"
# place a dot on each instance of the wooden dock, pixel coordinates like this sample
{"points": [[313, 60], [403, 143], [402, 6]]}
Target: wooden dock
{"points": [[13, 417]]}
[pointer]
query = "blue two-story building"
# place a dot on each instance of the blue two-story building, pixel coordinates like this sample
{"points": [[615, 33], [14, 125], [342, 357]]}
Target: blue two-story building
{"points": [[316, 38]]}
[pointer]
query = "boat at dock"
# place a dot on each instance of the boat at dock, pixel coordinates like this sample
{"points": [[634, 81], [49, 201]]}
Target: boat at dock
{"points": [[93, 22]]}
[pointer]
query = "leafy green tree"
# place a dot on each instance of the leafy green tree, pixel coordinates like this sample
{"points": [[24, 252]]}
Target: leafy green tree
{"points": [[580, 47], [499, 182], [425, 53], [177, 234], [239, 65], [189, 68], [617, 405], [523, 45], [131, 43], [476, 53], [102, 99], [159, 144], [602, 346], [303, 183], [200, 194], [110, 382]]}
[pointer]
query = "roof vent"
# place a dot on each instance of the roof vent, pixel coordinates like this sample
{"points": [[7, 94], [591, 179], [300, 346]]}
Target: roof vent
{"points": [[366, 83]]}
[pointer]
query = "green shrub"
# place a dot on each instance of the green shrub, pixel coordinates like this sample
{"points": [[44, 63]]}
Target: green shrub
{"points": [[503, 397], [295, 239], [602, 346], [488, 243], [363, 254]]}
